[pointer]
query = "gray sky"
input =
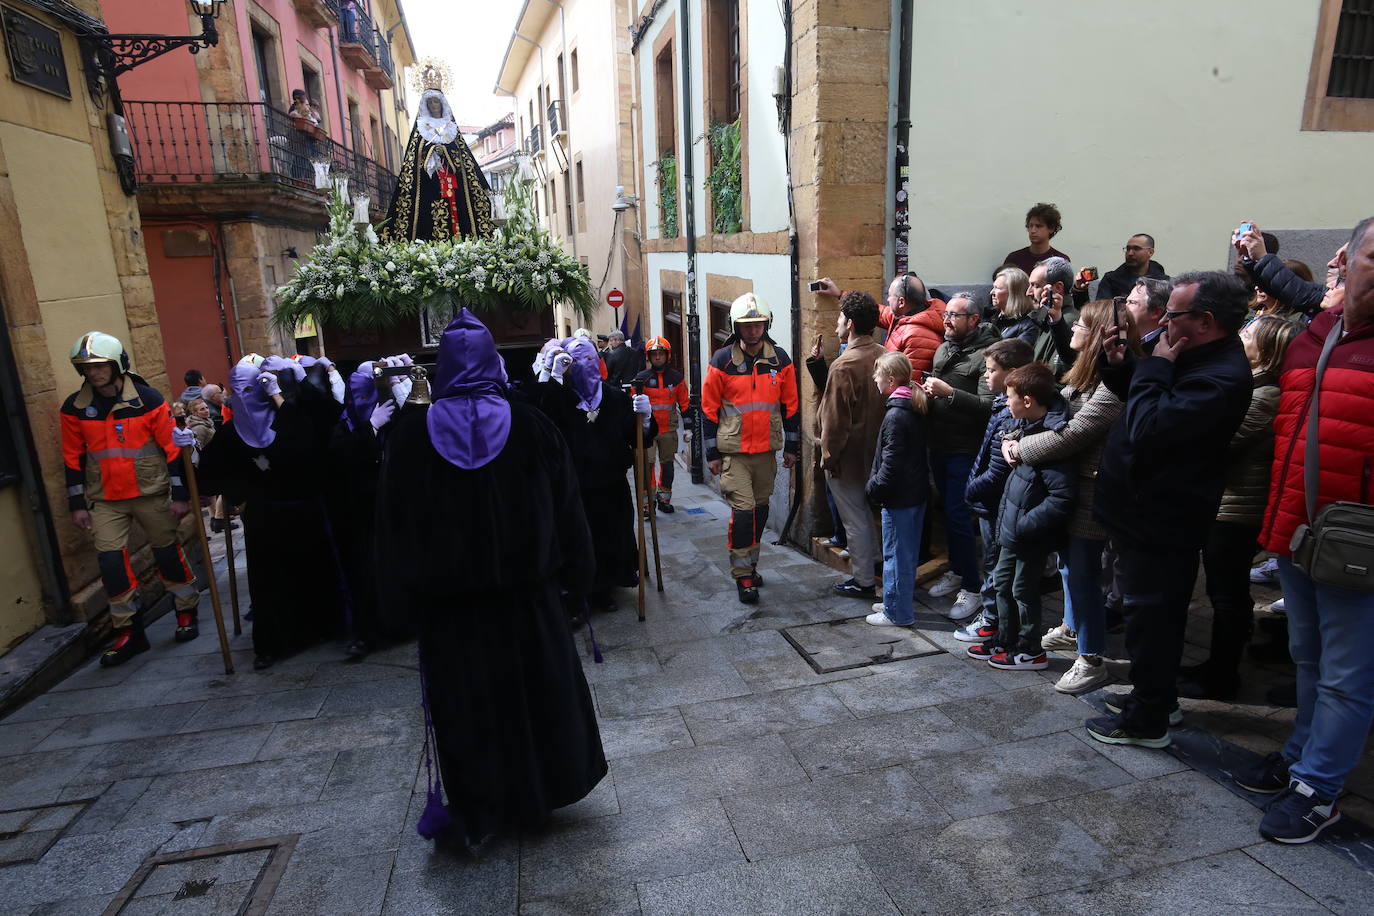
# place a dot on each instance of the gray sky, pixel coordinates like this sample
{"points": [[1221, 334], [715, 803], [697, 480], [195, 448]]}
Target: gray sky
{"points": [[471, 37]]}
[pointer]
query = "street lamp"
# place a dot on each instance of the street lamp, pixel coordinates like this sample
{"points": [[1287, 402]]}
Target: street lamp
{"points": [[116, 54]]}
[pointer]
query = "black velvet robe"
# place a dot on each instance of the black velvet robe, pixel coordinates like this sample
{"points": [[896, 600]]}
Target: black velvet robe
{"points": [[419, 211], [293, 572], [479, 557], [602, 451]]}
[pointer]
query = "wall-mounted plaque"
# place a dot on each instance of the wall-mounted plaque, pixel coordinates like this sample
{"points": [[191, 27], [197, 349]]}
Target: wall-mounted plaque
{"points": [[35, 53]]}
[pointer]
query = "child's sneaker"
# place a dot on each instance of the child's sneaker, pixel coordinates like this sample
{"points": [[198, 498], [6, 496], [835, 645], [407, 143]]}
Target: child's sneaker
{"points": [[1083, 676], [976, 630], [965, 605], [982, 650], [1018, 661], [1061, 637]]}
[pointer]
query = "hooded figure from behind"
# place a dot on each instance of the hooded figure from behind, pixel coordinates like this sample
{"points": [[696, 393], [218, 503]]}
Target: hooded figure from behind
{"points": [[479, 528]]}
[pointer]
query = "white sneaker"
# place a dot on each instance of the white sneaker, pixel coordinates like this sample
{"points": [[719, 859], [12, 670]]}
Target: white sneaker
{"points": [[969, 632], [1061, 637], [947, 584], [880, 619], [843, 553], [1278, 607], [1083, 677], [966, 605], [1267, 573]]}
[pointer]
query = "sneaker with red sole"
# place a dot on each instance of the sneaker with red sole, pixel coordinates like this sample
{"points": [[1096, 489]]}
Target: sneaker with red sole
{"points": [[1018, 661], [977, 631], [128, 642], [983, 650]]}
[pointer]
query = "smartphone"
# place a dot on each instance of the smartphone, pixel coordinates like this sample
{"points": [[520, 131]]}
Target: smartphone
{"points": [[1087, 275], [1244, 228], [1118, 317], [815, 286]]}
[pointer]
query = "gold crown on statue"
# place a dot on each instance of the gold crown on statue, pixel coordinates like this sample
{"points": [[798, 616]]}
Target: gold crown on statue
{"points": [[430, 73]]}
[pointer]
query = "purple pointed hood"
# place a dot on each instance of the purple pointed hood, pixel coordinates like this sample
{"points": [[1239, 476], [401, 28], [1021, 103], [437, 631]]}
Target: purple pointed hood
{"points": [[585, 371], [362, 396], [254, 411], [469, 420]]}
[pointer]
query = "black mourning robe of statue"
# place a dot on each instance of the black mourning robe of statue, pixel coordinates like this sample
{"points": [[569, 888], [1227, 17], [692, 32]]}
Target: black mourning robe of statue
{"points": [[479, 557], [602, 451], [448, 202], [293, 572]]}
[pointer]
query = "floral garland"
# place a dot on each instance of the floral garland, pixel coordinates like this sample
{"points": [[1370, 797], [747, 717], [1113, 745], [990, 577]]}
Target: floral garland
{"points": [[355, 282]]}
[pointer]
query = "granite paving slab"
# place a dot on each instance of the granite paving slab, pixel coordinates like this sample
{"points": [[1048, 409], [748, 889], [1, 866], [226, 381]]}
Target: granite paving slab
{"points": [[658, 730], [779, 672], [328, 828], [1032, 851], [828, 881], [741, 718], [1140, 762], [1015, 775], [635, 695], [672, 777], [1015, 714], [39, 778], [282, 706], [340, 733], [176, 753], [1168, 819], [354, 884], [1324, 874], [225, 790], [104, 728], [80, 866], [1226, 883], [110, 806], [624, 848], [850, 642], [917, 682], [370, 771], [831, 811], [615, 901], [879, 741], [21, 737], [392, 693]]}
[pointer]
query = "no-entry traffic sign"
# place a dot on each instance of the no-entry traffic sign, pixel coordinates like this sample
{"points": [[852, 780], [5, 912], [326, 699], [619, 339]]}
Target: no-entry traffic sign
{"points": [[615, 298]]}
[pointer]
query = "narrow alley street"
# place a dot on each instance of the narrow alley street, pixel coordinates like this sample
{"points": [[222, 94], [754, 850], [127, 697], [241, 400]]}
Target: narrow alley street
{"points": [[744, 779]]}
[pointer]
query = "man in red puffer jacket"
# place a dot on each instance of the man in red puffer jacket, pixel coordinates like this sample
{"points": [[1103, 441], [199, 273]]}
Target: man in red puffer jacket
{"points": [[1330, 629], [914, 323]]}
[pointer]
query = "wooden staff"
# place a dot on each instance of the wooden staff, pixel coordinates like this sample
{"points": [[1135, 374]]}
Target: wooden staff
{"points": [[639, 508], [233, 568], [190, 470], [653, 521]]}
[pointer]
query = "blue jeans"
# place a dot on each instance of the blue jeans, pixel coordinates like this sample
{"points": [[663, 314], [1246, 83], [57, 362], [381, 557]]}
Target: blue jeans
{"points": [[1080, 566], [901, 544], [1330, 631], [987, 529], [951, 476]]}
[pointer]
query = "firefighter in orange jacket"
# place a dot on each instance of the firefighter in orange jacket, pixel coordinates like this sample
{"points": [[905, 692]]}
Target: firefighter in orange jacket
{"points": [[122, 464], [750, 408], [667, 391]]}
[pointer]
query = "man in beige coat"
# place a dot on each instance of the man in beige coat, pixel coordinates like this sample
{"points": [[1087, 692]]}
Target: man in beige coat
{"points": [[851, 411]]}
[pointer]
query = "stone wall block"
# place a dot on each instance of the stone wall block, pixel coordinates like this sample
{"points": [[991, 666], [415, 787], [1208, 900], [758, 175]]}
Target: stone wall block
{"points": [[852, 55], [140, 305], [30, 344]]}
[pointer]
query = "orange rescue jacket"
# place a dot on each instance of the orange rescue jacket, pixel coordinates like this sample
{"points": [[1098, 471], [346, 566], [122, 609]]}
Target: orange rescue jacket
{"points": [[750, 404], [666, 389], [120, 450]]}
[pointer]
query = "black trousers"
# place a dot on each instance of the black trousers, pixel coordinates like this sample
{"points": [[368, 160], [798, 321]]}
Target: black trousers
{"points": [[1226, 559], [1156, 586]]}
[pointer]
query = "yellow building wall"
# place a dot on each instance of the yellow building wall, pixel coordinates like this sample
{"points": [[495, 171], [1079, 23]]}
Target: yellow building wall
{"points": [[21, 592], [1178, 119]]}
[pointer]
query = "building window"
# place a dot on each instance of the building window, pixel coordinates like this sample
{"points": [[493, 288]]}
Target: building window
{"points": [[665, 118], [1340, 84], [572, 70], [720, 323], [265, 59], [567, 202], [673, 328], [355, 127], [581, 186], [374, 131], [310, 82], [723, 60]]}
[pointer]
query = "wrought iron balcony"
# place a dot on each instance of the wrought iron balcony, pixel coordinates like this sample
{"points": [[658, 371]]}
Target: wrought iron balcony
{"points": [[357, 37], [534, 140], [383, 74], [558, 118], [236, 144]]}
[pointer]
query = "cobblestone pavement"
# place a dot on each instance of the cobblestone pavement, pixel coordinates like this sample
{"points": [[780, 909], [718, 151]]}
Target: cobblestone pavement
{"points": [[742, 779]]}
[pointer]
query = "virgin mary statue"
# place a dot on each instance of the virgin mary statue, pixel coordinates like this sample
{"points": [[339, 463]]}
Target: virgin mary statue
{"points": [[441, 194]]}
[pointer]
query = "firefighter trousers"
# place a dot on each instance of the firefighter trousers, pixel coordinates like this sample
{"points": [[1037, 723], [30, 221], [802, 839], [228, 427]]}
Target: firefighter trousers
{"points": [[746, 482], [111, 521]]}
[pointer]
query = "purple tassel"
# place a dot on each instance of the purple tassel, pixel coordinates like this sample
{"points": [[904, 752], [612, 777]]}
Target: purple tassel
{"points": [[435, 821], [591, 634]]}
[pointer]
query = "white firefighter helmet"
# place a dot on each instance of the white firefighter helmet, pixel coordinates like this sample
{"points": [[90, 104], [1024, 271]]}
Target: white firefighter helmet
{"points": [[750, 307], [99, 347]]}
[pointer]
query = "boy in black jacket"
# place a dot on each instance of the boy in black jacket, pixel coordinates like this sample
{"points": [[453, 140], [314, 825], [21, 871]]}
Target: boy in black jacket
{"points": [[1032, 517], [989, 475]]}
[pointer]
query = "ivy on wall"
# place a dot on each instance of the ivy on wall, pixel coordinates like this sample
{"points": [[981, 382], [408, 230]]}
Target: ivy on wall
{"points": [[667, 197], [725, 181]]}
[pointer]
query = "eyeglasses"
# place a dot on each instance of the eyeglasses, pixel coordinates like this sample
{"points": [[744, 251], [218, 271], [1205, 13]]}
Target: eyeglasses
{"points": [[949, 315], [1170, 316], [1134, 248]]}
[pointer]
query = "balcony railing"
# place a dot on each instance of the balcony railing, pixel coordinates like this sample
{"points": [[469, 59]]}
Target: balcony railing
{"points": [[558, 118], [357, 37], [220, 143], [534, 140]]}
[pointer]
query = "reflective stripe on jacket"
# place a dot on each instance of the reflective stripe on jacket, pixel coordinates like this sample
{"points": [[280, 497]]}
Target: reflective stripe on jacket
{"points": [[750, 404], [120, 451]]}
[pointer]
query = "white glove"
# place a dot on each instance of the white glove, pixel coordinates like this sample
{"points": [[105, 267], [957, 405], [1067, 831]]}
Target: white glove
{"points": [[336, 384], [278, 363], [183, 438], [561, 362], [268, 381], [540, 366], [642, 406], [382, 413], [402, 359]]}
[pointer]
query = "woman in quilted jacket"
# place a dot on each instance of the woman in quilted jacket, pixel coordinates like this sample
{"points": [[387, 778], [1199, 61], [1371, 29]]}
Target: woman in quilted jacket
{"points": [[1234, 539], [1095, 409]]}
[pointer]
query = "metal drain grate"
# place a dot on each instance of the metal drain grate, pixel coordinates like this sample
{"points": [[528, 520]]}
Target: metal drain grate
{"points": [[840, 645], [230, 878]]}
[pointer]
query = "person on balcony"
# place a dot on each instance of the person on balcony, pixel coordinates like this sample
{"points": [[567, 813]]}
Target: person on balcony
{"points": [[441, 194]]}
